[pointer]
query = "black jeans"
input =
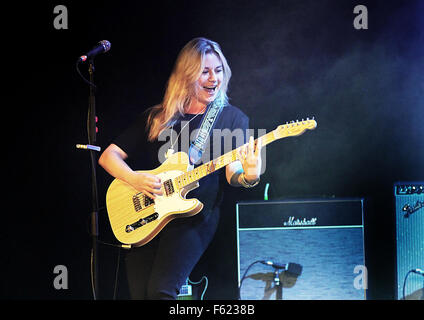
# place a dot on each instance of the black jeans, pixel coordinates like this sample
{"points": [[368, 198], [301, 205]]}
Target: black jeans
{"points": [[158, 269]]}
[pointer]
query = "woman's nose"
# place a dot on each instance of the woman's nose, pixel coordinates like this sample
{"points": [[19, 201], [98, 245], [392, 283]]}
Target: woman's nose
{"points": [[212, 76]]}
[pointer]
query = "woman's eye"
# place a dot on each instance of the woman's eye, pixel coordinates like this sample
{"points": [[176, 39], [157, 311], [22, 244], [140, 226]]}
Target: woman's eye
{"points": [[216, 71]]}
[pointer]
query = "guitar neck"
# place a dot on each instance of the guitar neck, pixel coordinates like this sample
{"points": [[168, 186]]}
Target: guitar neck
{"points": [[218, 163]]}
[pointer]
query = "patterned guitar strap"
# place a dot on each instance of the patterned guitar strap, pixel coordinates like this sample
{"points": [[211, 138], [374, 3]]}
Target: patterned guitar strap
{"points": [[198, 145]]}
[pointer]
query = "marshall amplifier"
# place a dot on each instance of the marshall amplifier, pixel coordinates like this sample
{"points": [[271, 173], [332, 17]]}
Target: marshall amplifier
{"points": [[409, 201], [301, 250]]}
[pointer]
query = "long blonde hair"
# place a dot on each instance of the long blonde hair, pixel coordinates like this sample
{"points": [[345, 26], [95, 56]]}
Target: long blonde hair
{"points": [[180, 88]]}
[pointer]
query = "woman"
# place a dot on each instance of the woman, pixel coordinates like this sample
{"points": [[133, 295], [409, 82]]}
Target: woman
{"points": [[201, 74]]}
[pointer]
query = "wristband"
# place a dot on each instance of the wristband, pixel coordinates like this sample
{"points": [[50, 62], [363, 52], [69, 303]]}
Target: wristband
{"points": [[246, 184]]}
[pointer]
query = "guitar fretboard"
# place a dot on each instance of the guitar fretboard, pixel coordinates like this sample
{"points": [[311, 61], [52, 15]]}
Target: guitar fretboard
{"points": [[216, 164]]}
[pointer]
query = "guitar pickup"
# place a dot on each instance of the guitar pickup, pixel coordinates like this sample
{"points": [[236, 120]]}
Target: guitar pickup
{"points": [[143, 221], [169, 187]]}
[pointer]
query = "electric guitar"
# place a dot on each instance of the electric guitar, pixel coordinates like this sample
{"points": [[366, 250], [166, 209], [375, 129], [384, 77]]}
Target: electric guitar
{"points": [[136, 219]]}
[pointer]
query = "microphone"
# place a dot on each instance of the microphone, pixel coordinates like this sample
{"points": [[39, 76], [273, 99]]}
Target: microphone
{"points": [[418, 271], [291, 267], [103, 46], [274, 264]]}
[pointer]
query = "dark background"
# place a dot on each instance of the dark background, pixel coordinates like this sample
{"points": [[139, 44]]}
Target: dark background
{"points": [[290, 60]]}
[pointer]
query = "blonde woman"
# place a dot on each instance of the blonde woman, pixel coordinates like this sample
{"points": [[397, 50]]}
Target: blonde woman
{"points": [[201, 75]]}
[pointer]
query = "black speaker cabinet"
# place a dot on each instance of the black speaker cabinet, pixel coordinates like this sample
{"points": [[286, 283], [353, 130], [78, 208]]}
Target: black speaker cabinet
{"points": [[409, 198], [321, 240]]}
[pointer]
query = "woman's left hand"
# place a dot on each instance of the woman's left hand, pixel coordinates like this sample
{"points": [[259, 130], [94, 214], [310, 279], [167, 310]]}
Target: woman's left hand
{"points": [[251, 161]]}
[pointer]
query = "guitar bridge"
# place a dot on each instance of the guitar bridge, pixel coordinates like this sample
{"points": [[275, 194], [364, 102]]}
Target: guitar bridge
{"points": [[143, 221], [140, 201]]}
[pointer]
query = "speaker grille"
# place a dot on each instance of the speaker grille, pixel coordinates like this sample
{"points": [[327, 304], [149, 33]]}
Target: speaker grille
{"points": [[409, 238]]}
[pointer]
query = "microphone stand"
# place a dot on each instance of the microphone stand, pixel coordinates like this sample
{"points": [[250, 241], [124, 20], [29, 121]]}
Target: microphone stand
{"points": [[91, 130], [91, 123], [278, 285]]}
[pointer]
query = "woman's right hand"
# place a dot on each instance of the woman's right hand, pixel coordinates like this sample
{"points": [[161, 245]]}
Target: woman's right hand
{"points": [[147, 183], [113, 161]]}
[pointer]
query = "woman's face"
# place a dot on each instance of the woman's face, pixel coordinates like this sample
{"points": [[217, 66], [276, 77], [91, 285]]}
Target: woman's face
{"points": [[208, 85]]}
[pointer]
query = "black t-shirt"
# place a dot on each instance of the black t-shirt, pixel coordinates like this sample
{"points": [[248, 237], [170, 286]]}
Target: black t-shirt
{"points": [[229, 133]]}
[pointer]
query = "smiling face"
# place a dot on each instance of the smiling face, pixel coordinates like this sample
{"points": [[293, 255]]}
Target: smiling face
{"points": [[209, 83]]}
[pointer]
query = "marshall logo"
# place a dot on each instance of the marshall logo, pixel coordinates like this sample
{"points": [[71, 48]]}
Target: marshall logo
{"points": [[292, 222]]}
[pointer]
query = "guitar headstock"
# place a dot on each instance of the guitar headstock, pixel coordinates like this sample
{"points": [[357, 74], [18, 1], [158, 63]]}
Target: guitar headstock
{"points": [[294, 128]]}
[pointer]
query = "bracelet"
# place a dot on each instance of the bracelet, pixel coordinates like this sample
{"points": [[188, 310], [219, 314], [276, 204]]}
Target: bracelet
{"points": [[246, 184]]}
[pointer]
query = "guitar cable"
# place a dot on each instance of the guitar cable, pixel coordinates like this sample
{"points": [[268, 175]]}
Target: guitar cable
{"points": [[244, 276], [198, 282], [417, 271], [119, 246], [124, 246]]}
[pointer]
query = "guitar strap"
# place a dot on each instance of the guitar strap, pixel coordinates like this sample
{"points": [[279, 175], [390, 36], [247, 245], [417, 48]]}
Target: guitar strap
{"points": [[198, 145]]}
